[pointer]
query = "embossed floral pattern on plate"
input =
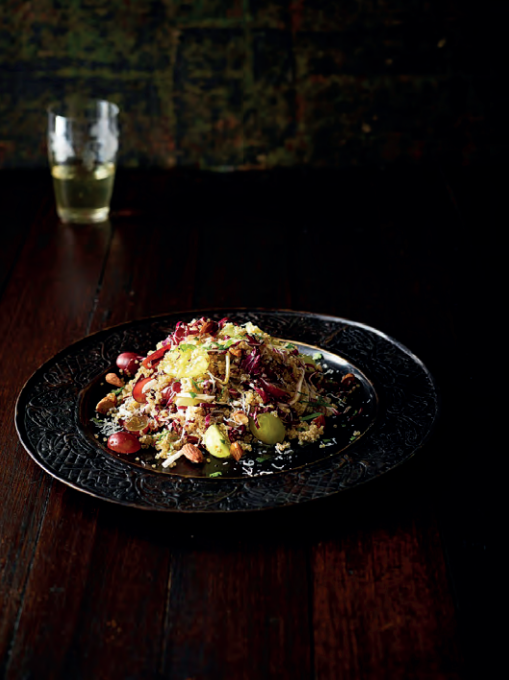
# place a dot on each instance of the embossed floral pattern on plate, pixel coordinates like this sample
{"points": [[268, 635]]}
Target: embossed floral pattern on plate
{"points": [[52, 421]]}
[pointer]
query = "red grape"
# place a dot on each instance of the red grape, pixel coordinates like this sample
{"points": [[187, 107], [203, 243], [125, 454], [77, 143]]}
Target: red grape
{"points": [[123, 442], [138, 393], [129, 362], [154, 358]]}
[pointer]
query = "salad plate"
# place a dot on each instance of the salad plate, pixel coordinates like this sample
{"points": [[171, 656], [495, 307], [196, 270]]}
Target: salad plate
{"points": [[395, 411]]}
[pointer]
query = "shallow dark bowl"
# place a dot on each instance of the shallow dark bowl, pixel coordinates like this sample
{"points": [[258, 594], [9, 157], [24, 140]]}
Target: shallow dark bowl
{"points": [[398, 394]]}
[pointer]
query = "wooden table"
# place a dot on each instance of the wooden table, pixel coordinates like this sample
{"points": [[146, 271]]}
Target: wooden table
{"points": [[385, 581]]}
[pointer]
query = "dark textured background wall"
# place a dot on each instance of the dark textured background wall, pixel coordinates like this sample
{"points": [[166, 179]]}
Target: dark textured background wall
{"points": [[224, 84]]}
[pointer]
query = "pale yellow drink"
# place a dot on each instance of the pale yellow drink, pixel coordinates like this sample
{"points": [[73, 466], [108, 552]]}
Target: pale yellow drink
{"points": [[83, 195], [82, 153]]}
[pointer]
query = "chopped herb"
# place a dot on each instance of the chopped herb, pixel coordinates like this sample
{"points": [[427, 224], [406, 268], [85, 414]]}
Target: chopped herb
{"points": [[215, 474], [318, 401], [311, 416], [192, 395], [186, 347], [97, 421], [195, 385], [289, 346], [117, 392], [219, 346], [261, 459]]}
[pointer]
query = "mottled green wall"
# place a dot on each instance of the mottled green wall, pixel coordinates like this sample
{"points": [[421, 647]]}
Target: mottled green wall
{"points": [[249, 83]]}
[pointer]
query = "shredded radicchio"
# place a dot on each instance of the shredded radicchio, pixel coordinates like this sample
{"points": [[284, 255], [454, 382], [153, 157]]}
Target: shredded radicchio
{"points": [[249, 368], [252, 363], [262, 394]]}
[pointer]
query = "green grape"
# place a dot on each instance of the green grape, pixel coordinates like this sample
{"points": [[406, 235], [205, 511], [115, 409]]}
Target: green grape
{"points": [[270, 431], [216, 443]]}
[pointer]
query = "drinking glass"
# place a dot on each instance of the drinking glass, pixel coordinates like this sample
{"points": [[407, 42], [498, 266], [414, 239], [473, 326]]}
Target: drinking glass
{"points": [[82, 151]]}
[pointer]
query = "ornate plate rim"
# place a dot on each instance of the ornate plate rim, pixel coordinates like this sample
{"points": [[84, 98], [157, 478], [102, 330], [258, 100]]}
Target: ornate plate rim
{"points": [[328, 477]]}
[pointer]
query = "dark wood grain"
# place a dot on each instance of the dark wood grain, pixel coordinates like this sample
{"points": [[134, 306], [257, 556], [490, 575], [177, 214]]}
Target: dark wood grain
{"points": [[383, 593], [367, 585], [472, 501], [41, 312], [237, 578], [26, 193]]}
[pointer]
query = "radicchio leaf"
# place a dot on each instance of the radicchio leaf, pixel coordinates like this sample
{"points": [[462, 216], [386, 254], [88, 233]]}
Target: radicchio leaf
{"points": [[252, 363]]}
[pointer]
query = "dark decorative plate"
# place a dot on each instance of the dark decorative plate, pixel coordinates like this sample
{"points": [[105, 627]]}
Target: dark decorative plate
{"points": [[397, 408]]}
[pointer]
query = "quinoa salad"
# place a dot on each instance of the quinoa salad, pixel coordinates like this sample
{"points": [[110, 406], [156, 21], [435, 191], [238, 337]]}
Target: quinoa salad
{"points": [[219, 389]]}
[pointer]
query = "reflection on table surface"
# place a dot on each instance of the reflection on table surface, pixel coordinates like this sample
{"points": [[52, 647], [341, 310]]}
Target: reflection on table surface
{"points": [[386, 580]]}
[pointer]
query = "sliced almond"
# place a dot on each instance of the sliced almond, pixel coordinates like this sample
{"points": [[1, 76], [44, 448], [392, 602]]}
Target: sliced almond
{"points": [[348, 380], [113, 379], [235, 350], [108, 402], [240, 417], [236, 450], [192, 453]]}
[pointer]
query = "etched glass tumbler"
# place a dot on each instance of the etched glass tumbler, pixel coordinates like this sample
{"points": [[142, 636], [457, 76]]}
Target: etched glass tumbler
{"points": [[82, 152]]}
